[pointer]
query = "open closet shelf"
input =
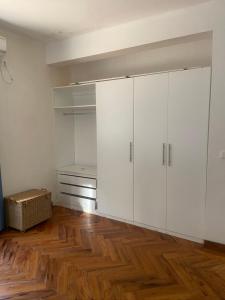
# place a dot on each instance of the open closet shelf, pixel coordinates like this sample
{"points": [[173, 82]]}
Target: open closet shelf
{"points": [[75, 98], [79, 108]]}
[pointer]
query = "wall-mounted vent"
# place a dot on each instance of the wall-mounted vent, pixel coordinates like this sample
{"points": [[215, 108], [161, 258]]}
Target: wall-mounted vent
{"points": [[3, 46], [4, 70]]}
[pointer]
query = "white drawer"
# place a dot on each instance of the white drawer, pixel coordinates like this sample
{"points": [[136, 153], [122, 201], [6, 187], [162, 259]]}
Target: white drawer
{"points": [[76, 180], [77, 203], [77, 191]]}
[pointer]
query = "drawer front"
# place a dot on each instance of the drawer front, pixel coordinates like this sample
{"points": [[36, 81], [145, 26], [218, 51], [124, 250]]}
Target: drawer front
{"points": [[77, 203], [77, 190], [81, 181]]}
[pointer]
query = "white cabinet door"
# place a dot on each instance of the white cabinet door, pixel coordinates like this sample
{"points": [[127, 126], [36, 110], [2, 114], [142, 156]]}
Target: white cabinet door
{"points": [[114, 140], [188, 109], [150, 138]]}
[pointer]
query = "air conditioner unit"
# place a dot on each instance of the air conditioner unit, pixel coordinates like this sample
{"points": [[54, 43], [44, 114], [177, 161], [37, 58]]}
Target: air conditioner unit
{"points": [[3, 46]]}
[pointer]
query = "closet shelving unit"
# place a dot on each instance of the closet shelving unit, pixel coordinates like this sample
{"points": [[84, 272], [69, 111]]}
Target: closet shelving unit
{"points": [[75, 131], [77, 98]]}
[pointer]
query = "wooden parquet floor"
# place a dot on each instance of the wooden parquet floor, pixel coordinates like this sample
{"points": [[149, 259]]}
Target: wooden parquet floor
{"points": [[77, 256]]}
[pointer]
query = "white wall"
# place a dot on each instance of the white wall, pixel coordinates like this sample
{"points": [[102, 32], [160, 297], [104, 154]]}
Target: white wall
{"points": [[85, 139], [64, 148], [193, 51], [59, 75], [215, 205], [75, 139], [26, 118]]}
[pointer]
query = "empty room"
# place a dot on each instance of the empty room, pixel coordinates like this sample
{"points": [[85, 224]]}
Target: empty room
{"points": [[112, 149]]}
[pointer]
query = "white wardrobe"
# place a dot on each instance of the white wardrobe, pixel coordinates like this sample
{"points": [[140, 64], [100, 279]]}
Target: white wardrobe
{"points": [[114, 147], [152, 134]]}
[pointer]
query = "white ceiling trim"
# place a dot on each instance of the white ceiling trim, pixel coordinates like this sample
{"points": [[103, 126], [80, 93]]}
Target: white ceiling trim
{"points": [[57, 19], [133, 34]]}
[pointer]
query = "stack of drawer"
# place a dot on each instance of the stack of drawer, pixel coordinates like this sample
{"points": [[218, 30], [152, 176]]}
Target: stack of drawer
{"points": [[77, 187]]}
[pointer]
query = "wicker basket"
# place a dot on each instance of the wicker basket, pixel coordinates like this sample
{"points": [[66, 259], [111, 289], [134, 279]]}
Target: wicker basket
{"points": [[27, 209]]}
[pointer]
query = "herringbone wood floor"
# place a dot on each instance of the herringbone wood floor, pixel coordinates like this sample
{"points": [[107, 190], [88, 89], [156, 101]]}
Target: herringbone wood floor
{"points": [[83, 257]]}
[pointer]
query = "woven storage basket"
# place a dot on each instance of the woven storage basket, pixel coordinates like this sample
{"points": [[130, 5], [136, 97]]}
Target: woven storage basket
{"points": [[27, 209]]}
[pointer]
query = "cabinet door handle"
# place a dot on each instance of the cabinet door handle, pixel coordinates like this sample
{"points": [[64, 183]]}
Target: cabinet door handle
{"points": [[169, 155], [163, 154], [131, 152]]}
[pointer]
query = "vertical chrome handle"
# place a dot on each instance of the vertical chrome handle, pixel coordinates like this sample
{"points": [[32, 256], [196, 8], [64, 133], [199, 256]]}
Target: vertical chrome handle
{"points": [[163, 154], [169, 155], [131, 152]]}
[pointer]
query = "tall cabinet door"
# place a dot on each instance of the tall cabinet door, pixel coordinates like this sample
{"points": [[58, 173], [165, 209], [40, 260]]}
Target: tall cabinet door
{"points": [[114, 148], [150, 138], [188, 109]]}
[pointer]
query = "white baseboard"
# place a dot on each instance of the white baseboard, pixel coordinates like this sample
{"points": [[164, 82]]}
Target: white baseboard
{"points": [[186, 237], [92, 211], [175, 234], [113, 218]]}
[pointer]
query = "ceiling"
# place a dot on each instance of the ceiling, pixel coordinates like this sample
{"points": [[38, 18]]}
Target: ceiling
{"points": [[56, 19]]}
